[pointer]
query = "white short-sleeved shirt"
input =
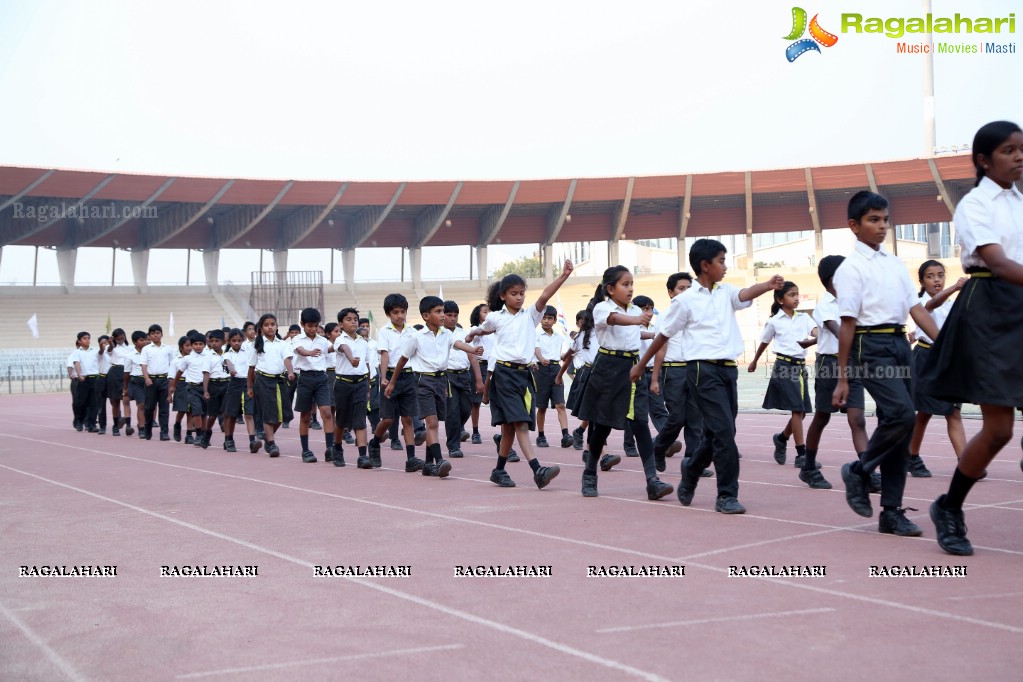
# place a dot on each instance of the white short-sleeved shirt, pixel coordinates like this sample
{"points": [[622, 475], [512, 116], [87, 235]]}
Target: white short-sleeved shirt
{"points": [[373, 353], [826, 310], [71, 358], [428, 352], [644, 344], [584, 356], [457, 360], [549, 345], [240, 360], [193, 366], [218, 369], [360, 349], [787, 332], [271, 360], [706, 319], [89, 359], [302, 362], [158, 359], [939, 314], [133, 365], [616, 336], [989, 214], [874, 287], [515, 335], [104, 362], [393, 341], [121, 355], [488, 346]]}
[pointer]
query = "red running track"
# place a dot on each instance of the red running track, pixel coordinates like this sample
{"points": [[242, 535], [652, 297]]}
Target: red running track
{"points": [[72, 498]]}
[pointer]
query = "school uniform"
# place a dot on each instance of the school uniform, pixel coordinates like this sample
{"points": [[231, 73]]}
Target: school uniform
{"points": [[548, 394], [512, 393], [975, 359], [373, 403], [679, 400], [461, 386], [427, 353], [331, 372], [922, 401], [180, 402], [271, 381], [710, 343], [115, 374], [788, 388], [313, 383], [237, 402], [582, 358], [826, 370], [257, 410], [658, 411], [218, 384], [100, 395], [88, 384], [610, 397], [874, 287], [351, 384], [157, 360], [76, 407], [487, 342], [403, 397], [192, 368], [136, 382]]}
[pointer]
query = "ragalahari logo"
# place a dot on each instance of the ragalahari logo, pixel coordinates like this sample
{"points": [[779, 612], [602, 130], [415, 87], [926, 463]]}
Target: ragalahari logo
{"points": [[818, 35]]}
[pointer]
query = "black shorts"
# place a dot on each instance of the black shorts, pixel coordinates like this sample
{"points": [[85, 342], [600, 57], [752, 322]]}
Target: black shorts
{"points": [[825, 381], [402, 402], [274, 397], [373, 403], [331, 378], [237, 402], [789, 388], [137, 390], [432, 395], [512, 396], [115, 383], [350, 398], [180, 403], [548, 394], [474, 397], [196, 401], [313, 389], [218, 396], [922, 401]]}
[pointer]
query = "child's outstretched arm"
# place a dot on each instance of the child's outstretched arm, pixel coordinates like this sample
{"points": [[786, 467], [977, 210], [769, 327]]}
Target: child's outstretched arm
{"points": [[943, 295], [760, 351], [552, 288], [749, 293]]}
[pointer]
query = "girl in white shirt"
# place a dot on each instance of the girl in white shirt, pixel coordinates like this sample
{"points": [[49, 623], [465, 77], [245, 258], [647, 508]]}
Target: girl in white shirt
{"points": [[788, 389], [610, 399], [976, 357], [937, 301], [269, 378]]}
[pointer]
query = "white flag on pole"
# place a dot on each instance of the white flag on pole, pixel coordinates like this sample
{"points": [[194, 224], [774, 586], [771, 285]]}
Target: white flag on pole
{"points": [[170, 327], [440, 291], [33, 325]]}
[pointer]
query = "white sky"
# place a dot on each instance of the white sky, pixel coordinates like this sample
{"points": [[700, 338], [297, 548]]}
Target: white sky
{"points": [[467, 90]]}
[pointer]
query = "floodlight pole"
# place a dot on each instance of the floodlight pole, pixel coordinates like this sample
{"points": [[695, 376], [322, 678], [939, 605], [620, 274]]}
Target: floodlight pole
{"points": [[930, 138]]}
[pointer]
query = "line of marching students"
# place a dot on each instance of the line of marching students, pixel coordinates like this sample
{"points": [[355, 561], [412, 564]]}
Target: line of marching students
{"points": [[681, 373]]}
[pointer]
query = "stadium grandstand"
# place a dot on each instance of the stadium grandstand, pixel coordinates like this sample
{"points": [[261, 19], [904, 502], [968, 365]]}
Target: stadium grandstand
{"points": [[593, 220]]}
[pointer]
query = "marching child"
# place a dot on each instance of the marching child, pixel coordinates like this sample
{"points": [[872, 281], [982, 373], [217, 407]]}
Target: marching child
{"points": [[179, 402], [237, 402], [269, 376], [135, 384], [194, 368], [314, 388], [351, 386], [548, 392], [157, 361], [460, 387], [219, 378]]}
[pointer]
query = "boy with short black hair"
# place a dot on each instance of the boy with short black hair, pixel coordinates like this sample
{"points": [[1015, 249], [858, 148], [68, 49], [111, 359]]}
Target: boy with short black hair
{"points": [[87, 371], [373, 403], [428, 351], [460, 386], [875, 295], [545, 371], [156, 366], [237, 401], [711, 342], [219, 378], [314, 389], [400, 401], [135, 384], [195, 369], [352, 369]]}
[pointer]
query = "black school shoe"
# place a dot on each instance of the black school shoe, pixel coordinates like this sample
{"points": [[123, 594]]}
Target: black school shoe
{"points": [[815, 479], [875, 482], [951, 529], [229, 445], [308, 457], [780, 444], [177, 433], [411, 465], [456, 454], [567, 440], [856, 494], [476, 439], [541, 442], [577, 439], [673, 449], [686, 487], [396, 445], [729, 505], [350, 438], [659, 462], [441, 468], [337, 458], [420, 437], [364, 463], [315, 425], [272, 449], [917, 468], [463, 436], [896, 523], [657, 489], [631, 451], [545, 475], [512, 455], [255, 445], [501, 478], [589, 485], [608, 461], [799, 461]]}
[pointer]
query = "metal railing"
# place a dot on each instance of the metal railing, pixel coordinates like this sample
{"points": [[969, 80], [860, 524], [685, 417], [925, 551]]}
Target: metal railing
{"points": [[33, 380]]}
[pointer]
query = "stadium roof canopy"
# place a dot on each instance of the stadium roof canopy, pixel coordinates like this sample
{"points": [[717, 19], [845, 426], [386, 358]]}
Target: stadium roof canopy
{"points": [[66, 209]]}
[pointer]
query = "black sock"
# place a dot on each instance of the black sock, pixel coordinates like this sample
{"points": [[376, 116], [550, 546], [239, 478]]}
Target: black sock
{"points": [[252, 438], [475, 431], [541, 435], [304, 440], [958, 489], [501, 462], [564, 432], [362, 451], [857, 466], [374, 442], [801, 450], [330, 440], [410, 451], [189, 433], [534, 464], [811, 460], [433, 453], [916, 455], [889, 508]]}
